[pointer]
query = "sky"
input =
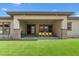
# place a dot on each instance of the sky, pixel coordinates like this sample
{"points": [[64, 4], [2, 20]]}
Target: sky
{"points": [[39, 7]]}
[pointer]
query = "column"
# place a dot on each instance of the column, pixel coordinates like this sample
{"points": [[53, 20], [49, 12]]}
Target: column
{"points": [[64, 28], [16, 28], [37, 29]]}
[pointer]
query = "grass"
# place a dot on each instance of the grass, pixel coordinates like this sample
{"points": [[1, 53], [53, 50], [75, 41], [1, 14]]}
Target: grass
{"points": [[65, 47]]}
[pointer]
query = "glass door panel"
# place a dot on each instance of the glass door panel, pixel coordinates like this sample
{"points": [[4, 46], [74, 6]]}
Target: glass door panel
{"points": [[31, 29]]}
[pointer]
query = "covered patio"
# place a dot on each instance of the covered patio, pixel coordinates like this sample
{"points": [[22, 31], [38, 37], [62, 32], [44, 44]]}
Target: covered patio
{"points": [[39, 24], [40, 28]]}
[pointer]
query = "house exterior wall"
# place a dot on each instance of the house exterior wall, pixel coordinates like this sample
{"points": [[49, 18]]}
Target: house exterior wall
{"points": [[75, 29], [56, 25], [59, 22], [62, 25], [57, 28], [40, 17]]}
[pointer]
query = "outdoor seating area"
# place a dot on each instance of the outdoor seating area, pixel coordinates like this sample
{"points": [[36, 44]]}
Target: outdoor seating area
{"points": [[45, 34], [40, 34]]}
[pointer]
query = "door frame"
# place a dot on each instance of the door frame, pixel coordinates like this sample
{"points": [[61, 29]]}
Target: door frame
{"points": [[30, 29]]}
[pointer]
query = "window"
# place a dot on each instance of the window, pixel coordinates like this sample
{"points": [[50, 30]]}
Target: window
{"points": [[1, 28], [69, 25], [4, 28], [41, 28], [32, 29], [45, 28]]}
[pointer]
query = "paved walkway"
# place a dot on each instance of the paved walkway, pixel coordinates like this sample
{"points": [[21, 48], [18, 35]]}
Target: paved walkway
{"points": [[44, 38]]}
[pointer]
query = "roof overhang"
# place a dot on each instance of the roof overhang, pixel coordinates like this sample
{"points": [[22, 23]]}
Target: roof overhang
{"points": [[73, 18], [5, 17], [39, 13]]}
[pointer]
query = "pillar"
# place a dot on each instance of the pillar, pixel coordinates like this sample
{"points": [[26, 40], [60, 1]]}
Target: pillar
{"points": [[64, 28], [16, 29], [37, 29]]}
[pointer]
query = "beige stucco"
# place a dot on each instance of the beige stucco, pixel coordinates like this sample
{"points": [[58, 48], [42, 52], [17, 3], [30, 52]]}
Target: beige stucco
{"points": [[59, 22], [38, 19], [75, 29]]}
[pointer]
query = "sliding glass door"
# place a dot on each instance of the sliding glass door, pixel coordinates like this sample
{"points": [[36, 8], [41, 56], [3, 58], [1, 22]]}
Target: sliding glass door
{"points": [[45, 28], [31, 29]]}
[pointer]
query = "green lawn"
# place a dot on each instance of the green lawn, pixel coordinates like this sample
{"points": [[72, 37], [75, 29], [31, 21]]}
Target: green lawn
{"points": [[65, 47]]}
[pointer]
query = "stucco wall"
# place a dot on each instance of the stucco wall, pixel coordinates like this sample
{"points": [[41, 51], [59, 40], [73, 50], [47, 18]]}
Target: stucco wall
{"points": [[40, 17], [37, 17], [57, 28], [47, 19], [18, 18], [75, 29]]}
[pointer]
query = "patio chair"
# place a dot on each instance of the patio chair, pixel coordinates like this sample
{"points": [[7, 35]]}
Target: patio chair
{"points": [[50, 34], [46, 34], [40, 34]]}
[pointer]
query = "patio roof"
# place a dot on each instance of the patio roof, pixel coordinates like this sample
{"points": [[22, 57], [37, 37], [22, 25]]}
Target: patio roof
{"points": [[39, 13]]}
